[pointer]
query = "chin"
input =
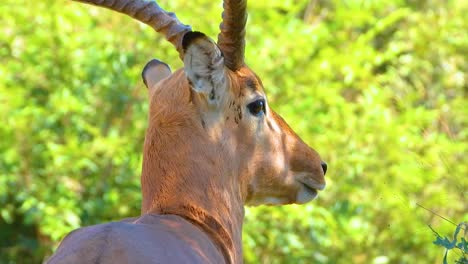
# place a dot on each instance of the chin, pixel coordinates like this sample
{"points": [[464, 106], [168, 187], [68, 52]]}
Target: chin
{"points": [[268, 201], [306, 194]]}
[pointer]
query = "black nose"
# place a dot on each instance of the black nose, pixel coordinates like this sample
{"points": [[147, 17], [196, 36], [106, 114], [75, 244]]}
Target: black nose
{"points": [[324, 167]]}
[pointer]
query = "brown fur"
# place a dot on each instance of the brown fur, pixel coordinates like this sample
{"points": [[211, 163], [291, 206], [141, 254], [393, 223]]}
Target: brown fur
{"points": [[145, 240], [205, 156], [183, 166], [203, 174]]}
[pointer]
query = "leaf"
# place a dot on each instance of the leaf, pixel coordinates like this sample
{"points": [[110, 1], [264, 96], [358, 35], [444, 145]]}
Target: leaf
{"points": [[463, 245], [444, 242]]}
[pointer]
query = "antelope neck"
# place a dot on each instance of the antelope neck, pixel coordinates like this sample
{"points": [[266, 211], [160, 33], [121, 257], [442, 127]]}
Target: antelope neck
{"points": [[211, 226], [221, 223]]}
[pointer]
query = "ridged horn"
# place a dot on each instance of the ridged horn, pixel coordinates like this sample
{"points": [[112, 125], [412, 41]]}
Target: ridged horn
{"points": [[150, 13], [231, 39]]}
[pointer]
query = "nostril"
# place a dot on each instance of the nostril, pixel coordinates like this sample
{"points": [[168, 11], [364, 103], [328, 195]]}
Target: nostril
{"points": [[324, 167]]}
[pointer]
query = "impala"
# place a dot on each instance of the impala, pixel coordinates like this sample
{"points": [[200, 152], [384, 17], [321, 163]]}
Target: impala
{"points": [[213, 145]]}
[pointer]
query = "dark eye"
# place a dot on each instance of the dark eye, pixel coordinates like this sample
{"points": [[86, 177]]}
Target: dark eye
{"points": [[257, 107]]}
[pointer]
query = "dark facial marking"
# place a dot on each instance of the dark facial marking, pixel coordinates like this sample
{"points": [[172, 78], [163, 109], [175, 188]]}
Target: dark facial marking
{"points": [[212, 94], [251, 84], [239, 112], [269, 125]]}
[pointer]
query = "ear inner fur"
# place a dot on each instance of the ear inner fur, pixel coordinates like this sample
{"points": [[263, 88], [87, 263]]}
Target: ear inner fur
{"points": [[204, 68], [154, 71]]}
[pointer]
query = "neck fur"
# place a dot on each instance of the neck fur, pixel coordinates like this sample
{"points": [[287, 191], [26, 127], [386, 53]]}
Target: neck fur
{"points": [[185, 174]]}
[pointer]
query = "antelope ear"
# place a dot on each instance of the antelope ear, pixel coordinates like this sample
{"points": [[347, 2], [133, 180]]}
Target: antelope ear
{"points": [[204, 66], [154, 71]]}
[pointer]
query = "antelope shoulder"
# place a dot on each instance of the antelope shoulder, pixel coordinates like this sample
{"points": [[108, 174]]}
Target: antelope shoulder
{"points": [[147, 239]]}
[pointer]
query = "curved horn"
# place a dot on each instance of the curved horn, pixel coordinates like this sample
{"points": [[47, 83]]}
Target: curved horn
{"points": [[150, 13], [231, 38]]}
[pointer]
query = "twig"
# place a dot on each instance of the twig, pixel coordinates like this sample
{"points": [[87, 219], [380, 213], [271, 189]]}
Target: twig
{"points": [[446, 219]]}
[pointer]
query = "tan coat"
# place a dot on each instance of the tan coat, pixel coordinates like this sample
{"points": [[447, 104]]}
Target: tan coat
{"points": [[146, 240]]}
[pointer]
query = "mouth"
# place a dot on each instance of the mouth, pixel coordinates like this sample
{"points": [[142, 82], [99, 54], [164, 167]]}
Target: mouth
{"points": [[312, 185], [310, 189]]}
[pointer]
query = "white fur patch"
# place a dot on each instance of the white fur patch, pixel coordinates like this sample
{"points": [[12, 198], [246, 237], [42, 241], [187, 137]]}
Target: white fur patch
{"points": [[272, 200], [274, 125], [268, 201]]}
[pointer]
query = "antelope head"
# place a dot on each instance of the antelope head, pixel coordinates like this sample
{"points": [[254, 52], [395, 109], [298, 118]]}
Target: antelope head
{"points": [[212, 120]]}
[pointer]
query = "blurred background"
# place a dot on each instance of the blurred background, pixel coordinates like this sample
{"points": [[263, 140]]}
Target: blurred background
{"points": [[379, 88]]}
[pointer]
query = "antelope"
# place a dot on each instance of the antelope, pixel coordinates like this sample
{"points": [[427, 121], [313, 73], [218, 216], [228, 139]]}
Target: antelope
{"points": [[213, 145]]}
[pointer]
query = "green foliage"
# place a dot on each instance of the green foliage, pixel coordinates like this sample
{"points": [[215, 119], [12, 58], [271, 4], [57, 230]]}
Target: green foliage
{"points": [[453, 244], [379, 88]]}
